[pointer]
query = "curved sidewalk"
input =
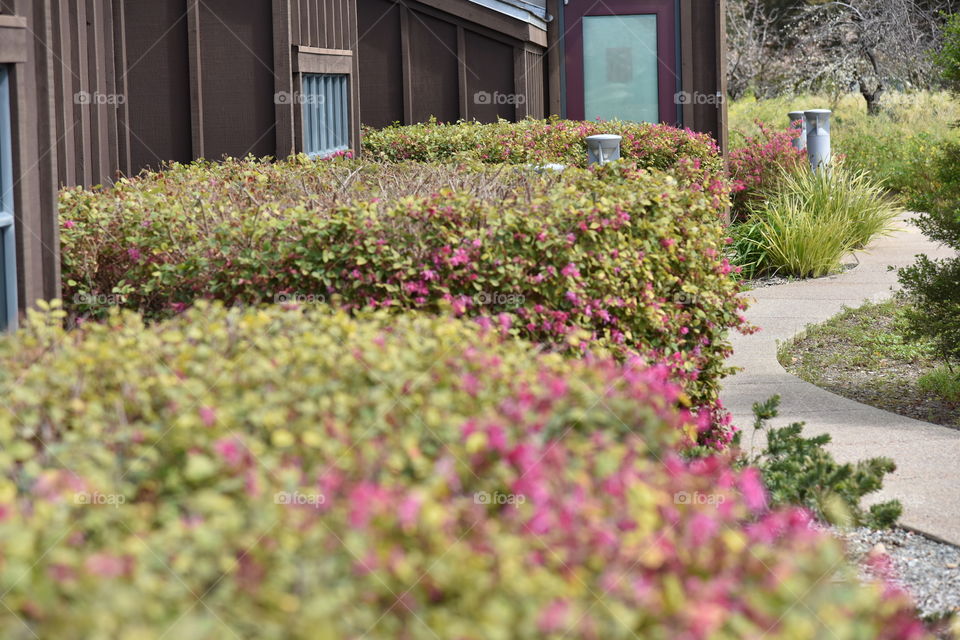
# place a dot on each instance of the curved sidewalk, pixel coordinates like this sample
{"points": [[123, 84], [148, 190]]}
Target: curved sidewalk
{"points": [[927, 479]]}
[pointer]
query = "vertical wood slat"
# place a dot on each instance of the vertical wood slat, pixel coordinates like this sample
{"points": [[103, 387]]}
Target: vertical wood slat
{"points": [[554, 60], [107, 55], [283, 77], [123, 110], [720, 13], [320, 10], [196, 77], [326, 11], [63, 93], [519, 83], [304, 36], [47, 161], [27, 223], [294, 21], [351, 43], [101, 98], [81, 112], [686, 60], [462, 72], [407, 74]]}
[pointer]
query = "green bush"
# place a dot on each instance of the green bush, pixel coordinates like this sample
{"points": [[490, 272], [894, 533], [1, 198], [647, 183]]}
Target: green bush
{"points": [[617, 259], [934, 285], [540, 141], [948, 58], [272, 473], [800, 471], [810, 221]]}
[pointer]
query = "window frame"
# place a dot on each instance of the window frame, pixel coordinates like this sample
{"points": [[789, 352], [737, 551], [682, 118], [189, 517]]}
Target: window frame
{"points": [[310, 61]]}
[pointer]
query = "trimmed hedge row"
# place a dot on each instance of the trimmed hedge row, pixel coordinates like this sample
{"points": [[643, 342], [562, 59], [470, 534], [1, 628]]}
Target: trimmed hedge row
{"points": [[308, 474], [617, 259], [540, 141]]}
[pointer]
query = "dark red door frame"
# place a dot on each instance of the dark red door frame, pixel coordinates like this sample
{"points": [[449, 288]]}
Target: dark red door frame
{"points": [[668, 71]]}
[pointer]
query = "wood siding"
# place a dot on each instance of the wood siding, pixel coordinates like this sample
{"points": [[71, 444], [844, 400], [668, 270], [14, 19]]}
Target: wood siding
{"points": [[448, 59], [107, 87], [703, 70]]}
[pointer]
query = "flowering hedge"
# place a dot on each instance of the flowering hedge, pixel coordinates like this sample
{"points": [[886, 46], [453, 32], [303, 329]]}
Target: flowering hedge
{"points": [[540, 141], [618, 259], [287, 473], [758, 162]]}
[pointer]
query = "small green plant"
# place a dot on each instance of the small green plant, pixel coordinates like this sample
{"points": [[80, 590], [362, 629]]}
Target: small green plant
{"points": [[943, 381], [799, 470], [808, 223]]}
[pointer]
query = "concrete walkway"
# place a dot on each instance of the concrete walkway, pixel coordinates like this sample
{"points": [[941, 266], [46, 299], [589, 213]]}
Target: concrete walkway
{"points": [[927, 480]]}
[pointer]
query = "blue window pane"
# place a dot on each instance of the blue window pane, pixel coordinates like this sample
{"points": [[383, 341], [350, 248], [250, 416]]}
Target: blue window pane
{"points": [[326, 113]]}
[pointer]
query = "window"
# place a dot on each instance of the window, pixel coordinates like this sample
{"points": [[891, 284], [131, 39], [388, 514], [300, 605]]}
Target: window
{"points": [[326, 113], [8, 247], [620, 68]]}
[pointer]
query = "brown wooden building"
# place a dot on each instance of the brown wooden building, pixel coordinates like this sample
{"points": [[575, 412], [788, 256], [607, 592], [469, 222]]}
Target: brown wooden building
{"points": [[90, 89]]}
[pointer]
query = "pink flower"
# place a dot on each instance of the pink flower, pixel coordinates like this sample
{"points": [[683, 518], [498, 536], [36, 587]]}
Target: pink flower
{"points": [[409, 510], [69, 224], [702, 528], [230, 450], [459, 257], [134, 253], [106, 565], [208, 416], [752, 488], [553, 617], [570, 271]]}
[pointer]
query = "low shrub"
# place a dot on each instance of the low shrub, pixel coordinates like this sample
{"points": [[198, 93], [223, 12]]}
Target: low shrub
{"points": [[800, 471], [933, 286], [758, 163], [540, 141], [618, 259], [810, 221], [288, 473]]}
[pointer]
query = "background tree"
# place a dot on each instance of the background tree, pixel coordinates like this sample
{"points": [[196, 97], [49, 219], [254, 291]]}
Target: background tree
{"points": [[872, 45], [789, 46]]}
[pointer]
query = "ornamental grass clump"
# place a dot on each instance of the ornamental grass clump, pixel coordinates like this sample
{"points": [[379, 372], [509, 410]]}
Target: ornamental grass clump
{"points": [[807, 224], [306, 473], [617, 259]]}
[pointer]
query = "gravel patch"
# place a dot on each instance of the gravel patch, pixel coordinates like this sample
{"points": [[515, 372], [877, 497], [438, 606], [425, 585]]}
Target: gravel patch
{"points": [[928, 570], [771, 281]]}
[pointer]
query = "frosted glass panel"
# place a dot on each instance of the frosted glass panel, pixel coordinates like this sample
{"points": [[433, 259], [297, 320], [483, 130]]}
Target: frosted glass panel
{"points": [[620, 68]]}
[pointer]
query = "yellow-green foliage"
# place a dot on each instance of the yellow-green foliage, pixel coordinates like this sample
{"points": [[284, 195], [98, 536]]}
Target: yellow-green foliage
{"points": [[616, 258], [306, 474]]}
